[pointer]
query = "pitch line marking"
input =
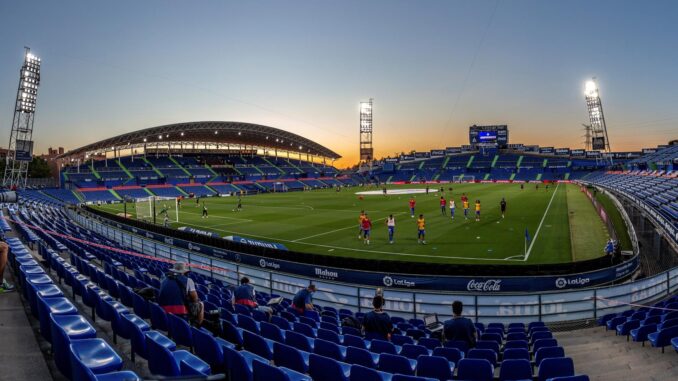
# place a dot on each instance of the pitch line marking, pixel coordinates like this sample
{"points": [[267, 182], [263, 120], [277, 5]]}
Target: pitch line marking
{"points": [[338, 230], [534, 239]]}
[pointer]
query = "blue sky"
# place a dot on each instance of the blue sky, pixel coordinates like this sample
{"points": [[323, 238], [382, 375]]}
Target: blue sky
{"points": [[433, 68]]}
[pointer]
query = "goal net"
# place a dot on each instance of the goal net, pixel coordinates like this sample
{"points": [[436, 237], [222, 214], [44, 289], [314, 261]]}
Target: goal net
{"points": [[463, 178], [155, 209]]}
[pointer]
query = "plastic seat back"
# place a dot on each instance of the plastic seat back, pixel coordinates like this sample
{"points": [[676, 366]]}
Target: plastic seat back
{"points": [[324, 368], [475, 370], [289, 357], [256, 344], [180, 330], [515, 369], [434, 367], [412, 351], [395, 364], [555, 367], [451, 354], [547, 352]]}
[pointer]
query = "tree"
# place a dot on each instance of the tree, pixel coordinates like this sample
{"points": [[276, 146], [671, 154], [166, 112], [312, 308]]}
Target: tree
{"points": [[39, 168]]}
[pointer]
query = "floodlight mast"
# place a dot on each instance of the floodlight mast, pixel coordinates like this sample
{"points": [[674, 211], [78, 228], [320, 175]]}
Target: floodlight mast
{"points": [[366, 149], [20, 148], [599, 138]]}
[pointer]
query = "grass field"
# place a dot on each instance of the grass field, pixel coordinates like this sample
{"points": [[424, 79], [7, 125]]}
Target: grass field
{"points": [[562, 223]]}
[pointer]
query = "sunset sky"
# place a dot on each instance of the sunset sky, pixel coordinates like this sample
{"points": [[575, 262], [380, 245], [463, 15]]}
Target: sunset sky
{"points": [[432, 67]]}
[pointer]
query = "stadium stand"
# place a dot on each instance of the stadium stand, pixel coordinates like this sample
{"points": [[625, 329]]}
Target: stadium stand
{"points": [[97, 301]]}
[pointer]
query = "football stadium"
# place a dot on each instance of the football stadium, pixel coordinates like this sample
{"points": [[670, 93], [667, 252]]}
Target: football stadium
{"points": [[193, 245]]}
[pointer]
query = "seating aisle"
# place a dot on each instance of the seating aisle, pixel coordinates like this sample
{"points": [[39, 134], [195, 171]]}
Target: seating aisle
{"points": [[602, 355], [20, 355]]}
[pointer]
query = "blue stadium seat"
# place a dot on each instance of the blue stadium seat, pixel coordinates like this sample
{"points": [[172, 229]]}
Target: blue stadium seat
{"points": [[403, 377], [354, 341], [429, 342], [401, 339], [581, 377], [361, 373], [271, 332], [475, 370], [624, 329], [547, 352], [246, 322], [299, 341], [265, 372], [640, 333], [516, 354], [435, 367], [326, 334], [257, 345], [516, 369], [362, 357], [290, 357], [179, 330], [663, 337], [451, 354], [162, 361], [544, 343], [327, 369], [396, 364], [210, 349], [231, 333], [92, 355], [412, 351], [329, 349], [158, 317], [486, 354], [461, 345], [53, 306], [65, 329], [381, 346], [488, 344], [518, 344], [555, 367]]}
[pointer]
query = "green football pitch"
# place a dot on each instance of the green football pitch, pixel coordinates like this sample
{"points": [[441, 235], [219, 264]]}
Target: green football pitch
{"points": [[561, 223]]}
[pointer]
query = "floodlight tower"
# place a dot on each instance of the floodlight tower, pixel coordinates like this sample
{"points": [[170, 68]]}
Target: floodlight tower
{"points": [[366, 150], [20, 148], [599, 139]]}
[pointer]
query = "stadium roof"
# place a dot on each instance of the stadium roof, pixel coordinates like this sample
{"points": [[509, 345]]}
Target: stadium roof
{"points": [[237, 133]]}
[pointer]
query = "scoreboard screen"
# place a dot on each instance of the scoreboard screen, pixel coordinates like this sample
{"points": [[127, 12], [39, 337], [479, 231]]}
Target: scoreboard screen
{"points": [[492, 135], [487, 136]]}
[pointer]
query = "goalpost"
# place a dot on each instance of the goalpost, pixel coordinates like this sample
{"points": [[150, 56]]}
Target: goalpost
{"points": [[158, 207], [463, 178]]}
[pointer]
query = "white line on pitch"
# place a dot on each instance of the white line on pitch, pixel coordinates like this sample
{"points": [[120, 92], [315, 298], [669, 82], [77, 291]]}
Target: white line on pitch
{"points": [[340, 229], [529, 249]]}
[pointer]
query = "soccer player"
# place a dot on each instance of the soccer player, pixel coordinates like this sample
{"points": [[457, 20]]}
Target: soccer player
{"points": [[204, 211], [443, 204], [452, 207], [421, 230], [239, 207], [197, 201], [366, 226], [390, 223], [165, 222], [163, 211], [502, 206], [477, 210], [465, 205], [384, 190], [412, 204], [360, 224]]}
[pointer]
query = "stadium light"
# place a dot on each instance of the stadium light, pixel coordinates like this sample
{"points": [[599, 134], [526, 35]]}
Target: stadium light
{"points": [[590, 89]]}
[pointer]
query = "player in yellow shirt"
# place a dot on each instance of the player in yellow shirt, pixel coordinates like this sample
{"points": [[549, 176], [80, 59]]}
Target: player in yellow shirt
{"points": [[421, 228], [465, 202], [360, 224], [477, 210]]}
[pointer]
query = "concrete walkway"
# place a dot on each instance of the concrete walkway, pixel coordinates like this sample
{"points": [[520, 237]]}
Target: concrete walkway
{"points": [[604, 356], [20, 355]]}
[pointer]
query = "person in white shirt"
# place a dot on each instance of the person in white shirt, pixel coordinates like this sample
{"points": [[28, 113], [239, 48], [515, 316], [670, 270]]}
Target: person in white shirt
{"points": [[390, 223], [452, 207]]}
